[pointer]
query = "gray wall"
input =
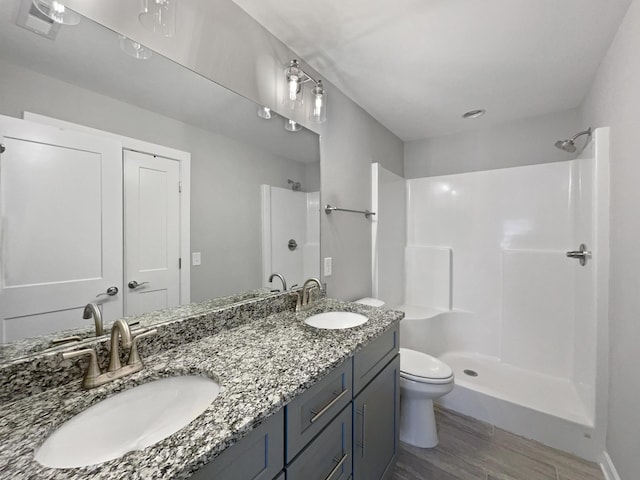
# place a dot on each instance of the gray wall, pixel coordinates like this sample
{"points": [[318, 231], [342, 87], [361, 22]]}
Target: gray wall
{"points": [[614, 100], [219, 40], [522, 142], [225, 173]]}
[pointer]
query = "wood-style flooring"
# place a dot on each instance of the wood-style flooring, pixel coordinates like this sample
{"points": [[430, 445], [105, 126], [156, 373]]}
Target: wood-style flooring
{"points": [[473, 450]]}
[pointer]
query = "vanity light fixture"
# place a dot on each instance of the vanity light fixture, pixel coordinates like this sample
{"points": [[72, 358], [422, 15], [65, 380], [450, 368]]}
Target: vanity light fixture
{"points": [[159, 16], [296, 77], [292, 126], [134, 49], [265, 113], [57, 11]]}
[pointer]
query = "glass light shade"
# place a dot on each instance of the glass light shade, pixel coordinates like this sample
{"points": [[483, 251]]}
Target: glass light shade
{"points": [[265, 112], [134, 49], [319, 110], [292, 126], [293, 90], [159, 16], [57, 12]]}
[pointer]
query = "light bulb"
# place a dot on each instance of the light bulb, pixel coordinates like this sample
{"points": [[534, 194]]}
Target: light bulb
{"points": [[319, 113], [293, 87]]}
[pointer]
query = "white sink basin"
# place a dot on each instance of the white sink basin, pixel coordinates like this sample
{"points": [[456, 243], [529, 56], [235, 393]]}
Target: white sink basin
{"points": [[336, 320], [128, 421]]}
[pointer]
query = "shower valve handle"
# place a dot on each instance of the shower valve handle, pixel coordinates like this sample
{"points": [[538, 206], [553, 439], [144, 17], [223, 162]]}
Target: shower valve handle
{"points": [[582, 254]]}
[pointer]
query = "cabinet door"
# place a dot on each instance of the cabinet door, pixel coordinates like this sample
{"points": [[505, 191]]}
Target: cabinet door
{"points": [[258, 456], [376, 425]]}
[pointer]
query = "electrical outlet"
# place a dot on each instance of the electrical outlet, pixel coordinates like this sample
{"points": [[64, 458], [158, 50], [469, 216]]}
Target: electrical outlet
{"points": [[196, 258], [328, 266]]}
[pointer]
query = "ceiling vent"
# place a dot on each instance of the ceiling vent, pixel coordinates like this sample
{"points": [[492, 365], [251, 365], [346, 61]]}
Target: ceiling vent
{"points": [[32, 19]]}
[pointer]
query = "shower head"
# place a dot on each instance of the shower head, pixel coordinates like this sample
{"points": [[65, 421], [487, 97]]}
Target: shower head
{"points": [[566, 145], [570, 144]]}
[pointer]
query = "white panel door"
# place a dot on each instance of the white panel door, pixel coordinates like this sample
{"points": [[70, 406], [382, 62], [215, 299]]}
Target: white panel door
{"points": [[61, 230], [152, 232]]}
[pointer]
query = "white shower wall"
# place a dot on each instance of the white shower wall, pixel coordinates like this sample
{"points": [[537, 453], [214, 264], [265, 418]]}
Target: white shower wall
{"points": [[509, 230]]}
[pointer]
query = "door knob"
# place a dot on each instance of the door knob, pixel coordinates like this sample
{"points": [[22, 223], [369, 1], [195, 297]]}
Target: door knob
{"points": [[134, 284], [111, 291]]}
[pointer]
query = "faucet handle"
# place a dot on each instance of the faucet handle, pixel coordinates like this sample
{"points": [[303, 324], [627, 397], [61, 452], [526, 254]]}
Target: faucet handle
{"points": [[134, 357], [93, 370]]}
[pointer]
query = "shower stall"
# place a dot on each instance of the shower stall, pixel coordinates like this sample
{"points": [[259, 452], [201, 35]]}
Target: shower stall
{"points": [[480, 267]]}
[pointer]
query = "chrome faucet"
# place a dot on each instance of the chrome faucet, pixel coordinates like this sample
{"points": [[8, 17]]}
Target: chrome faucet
{"points": [[303, 298], [93, 376], [281, 277], [92, 310]]}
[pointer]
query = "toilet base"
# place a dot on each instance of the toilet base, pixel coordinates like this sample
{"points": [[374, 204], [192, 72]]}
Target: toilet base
{"points": [[417, 422]]}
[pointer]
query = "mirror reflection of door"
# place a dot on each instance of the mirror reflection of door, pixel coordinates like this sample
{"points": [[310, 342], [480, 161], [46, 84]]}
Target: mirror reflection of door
{"points": [[61, 205], [61, 195], [152, 232]]}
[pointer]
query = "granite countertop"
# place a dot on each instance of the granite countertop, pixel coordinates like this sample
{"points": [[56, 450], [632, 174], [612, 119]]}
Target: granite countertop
{"points": [[261, 365]]}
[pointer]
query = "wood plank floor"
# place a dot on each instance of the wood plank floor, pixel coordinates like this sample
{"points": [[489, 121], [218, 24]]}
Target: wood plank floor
{"points": [[473, 450]]}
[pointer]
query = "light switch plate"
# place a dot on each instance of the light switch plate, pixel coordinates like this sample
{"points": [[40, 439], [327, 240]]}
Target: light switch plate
{"points": [[328, 266], [196, 258]]}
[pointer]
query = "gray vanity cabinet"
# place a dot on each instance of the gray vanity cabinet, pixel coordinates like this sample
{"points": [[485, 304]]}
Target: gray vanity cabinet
{"points": [[376, 425], [258, 456]]}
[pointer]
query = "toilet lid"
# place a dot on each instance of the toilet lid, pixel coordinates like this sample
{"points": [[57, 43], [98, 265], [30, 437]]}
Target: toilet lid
{"points": [[421, 367]]}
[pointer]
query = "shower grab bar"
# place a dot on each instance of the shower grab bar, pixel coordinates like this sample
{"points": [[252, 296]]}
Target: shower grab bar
{"points": [[328, 209]]}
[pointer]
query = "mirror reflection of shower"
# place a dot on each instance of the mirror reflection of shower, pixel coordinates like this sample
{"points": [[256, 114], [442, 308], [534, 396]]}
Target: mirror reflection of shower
{"points": [[295, 186], [290, 233], [569, 145]]}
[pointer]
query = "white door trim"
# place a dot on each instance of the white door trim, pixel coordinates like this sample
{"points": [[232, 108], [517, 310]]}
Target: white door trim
{"points": [[141, 146]]}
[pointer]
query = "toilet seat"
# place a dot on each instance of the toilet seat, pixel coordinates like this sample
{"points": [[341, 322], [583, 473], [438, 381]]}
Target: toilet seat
{"points": [[423, 368]]}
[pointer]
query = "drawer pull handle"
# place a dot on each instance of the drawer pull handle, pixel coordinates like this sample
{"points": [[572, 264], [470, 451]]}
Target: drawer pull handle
{"points": [[335, 469], [363, 431], [317, 415]]}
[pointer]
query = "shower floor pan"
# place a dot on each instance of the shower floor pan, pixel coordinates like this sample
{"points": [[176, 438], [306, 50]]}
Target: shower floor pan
{"points": [[536, 406]]}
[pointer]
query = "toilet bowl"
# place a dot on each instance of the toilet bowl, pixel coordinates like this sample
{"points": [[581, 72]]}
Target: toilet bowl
{"points": [[423, 378]]}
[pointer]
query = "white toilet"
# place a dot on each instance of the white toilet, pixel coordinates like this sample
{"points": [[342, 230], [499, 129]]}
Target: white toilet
{"points": [[423, 378]]}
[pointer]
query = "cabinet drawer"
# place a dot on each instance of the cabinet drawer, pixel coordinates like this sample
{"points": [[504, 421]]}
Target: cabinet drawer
{"points": [[309, 413], [328, 457], [258, 456], [370, 360]]}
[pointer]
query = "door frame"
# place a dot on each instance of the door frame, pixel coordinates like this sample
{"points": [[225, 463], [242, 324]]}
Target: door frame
{"points": [[184, 158]]}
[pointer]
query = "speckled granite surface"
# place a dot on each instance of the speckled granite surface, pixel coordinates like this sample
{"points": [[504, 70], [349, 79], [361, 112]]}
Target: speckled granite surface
{"points": [[261, 363], [176, 326]]}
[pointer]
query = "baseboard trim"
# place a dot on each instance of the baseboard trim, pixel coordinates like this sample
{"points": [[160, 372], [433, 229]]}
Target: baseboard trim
{"points": [[609, 470]]}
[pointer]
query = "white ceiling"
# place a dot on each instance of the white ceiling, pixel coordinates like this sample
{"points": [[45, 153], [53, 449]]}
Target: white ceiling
{"points": [[417, 65]]}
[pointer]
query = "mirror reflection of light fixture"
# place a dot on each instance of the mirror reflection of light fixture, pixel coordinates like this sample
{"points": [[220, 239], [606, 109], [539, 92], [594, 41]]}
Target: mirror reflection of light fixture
{"points": [[292, 126], [134, 49], [265, 113], [296, 77], [57, 12], [159, 16]]}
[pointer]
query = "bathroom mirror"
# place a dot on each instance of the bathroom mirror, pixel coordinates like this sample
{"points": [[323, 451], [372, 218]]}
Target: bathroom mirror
{"points": [[243, 167]]}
